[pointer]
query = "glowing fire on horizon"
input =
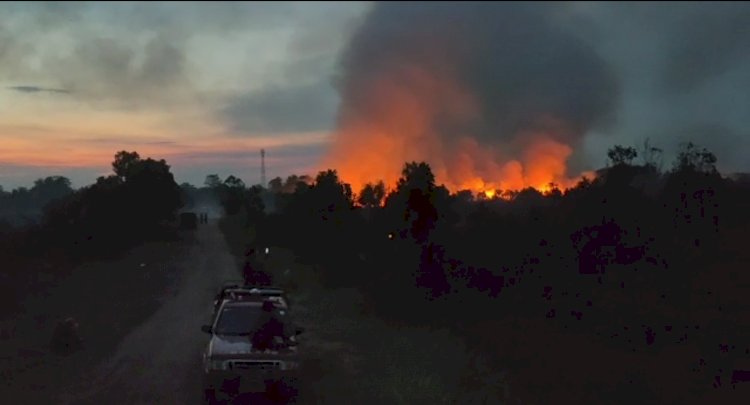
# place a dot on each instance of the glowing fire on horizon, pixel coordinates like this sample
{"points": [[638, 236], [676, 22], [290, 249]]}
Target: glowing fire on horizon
{"points": [[407, 113], [368, 157]]}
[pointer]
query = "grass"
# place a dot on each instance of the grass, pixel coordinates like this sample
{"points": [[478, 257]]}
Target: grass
{"points": [[362, 359], [368, 360], [108, 298]]}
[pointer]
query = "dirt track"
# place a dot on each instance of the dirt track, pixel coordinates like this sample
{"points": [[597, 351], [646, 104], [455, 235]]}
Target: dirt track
{"points": [[159, 361]]}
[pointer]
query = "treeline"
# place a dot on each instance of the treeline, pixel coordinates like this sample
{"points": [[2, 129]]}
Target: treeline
{"points": [[138, 202], [23, 206], [649, 258]]}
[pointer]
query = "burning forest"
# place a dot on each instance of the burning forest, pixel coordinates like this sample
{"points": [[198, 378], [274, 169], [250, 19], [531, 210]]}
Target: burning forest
{"points": [[493, 97]]}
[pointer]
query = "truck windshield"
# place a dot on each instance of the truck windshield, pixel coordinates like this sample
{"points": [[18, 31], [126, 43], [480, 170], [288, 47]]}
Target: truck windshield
{"points": [[239, 320]]}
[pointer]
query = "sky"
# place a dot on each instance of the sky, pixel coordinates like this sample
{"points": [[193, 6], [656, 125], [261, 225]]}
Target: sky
{"points": [[207, 85], [203, 85]]}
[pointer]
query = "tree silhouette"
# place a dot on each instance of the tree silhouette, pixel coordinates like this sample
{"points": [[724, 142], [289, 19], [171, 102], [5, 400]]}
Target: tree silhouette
{"points": [[372, 195], [652, 156], [232, 193], [275, 185], [124, 163], [293, 182], [695, 194], [213, 181], [51, 188], [234, 182], [605, 258], [24, 206], [254, 206], [133, 204], [329, 194], [412, 201], [151, 190], [417, 176], [620, 155], [691, 158]]}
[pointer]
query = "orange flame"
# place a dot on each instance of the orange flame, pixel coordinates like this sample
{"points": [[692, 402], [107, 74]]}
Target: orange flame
{"points": [[542, 165], [399, 123]]}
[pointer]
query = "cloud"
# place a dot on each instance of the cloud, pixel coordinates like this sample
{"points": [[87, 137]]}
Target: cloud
{"points": [[184, 74], [262, 66], [125, 55], [301, 97], [37, 89], [303, 108], [108, 70]]}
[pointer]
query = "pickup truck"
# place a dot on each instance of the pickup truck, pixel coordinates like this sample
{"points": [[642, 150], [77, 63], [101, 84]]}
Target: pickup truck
{"points": [[239, 291], [232, 366]]}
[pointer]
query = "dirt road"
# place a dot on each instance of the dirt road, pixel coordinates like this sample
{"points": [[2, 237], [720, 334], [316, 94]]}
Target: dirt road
{"points": [[160, 360]]}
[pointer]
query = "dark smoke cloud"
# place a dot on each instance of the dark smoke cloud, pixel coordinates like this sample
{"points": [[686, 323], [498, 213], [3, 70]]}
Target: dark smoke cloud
{"points": [[706, 43], [611, 72], [514, 59], [683, 68]]}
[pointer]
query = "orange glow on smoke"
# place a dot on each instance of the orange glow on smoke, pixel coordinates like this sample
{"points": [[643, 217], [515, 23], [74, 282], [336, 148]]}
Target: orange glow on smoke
{"points": [[541, 163], [400, 121]]}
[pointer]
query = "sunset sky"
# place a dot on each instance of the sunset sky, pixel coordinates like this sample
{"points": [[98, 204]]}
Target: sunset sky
{"points": [[207, 85], [203, 85]]}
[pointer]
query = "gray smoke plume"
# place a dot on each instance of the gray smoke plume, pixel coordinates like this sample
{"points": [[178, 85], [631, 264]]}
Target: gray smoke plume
{"points": [[683, 68], [587, 74], [511, 68], [513, 57]]}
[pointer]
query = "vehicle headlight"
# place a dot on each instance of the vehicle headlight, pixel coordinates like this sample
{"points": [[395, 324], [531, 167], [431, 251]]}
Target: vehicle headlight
{"points": [[216, 365]]}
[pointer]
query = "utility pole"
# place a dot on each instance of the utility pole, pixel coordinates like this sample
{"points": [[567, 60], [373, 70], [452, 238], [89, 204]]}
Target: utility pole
{"points": [[263, 168]]}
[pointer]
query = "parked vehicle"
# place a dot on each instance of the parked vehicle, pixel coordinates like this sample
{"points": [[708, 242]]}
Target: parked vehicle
{"points": [[233, 361]]}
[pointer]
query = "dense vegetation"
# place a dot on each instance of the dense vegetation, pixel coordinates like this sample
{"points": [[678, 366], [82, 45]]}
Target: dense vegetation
{"points": [[137, 202], [635, 261]]}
